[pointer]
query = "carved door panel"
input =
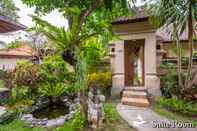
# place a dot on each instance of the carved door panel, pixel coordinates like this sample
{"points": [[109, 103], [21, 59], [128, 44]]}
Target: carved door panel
{"points": [[134, 64]]}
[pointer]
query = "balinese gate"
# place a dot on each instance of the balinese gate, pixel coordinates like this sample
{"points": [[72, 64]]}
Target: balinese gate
{"points": [[133, 60]]}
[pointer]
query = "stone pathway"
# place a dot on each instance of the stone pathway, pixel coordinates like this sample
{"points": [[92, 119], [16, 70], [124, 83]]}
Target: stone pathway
{"points": [[144, 119]]}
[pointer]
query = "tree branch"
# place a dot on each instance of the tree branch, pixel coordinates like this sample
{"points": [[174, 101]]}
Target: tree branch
{"points": [[84, 14]]}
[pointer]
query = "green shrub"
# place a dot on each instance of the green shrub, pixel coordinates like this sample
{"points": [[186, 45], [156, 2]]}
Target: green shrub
{"points": [[93, 52], [169, 82], [55, 70], [102, 79], [16, 95], [180, 106], [52, 78], [57, 77], [6, 77], [79, 121], [26, 77], [111, 114], [51, 90]]}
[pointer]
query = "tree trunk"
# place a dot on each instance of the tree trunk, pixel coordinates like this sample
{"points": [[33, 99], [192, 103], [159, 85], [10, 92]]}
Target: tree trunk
{"points": [[190, 38], [179, 61], [84, 104]]}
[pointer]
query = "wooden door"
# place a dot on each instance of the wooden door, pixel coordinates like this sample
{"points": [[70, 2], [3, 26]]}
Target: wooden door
{"points": [[134, 63]]}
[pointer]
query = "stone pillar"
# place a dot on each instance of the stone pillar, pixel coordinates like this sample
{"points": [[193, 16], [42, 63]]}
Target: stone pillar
{"points": [[152, 82], [118, 72]]}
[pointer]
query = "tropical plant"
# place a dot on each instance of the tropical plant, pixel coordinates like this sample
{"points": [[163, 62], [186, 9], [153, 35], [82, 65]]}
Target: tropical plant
{"points": [[52, 90], [57, 77], [180, 14], [86, 19], [26, 77], [93, 51], [55, 70], [169, 82]]}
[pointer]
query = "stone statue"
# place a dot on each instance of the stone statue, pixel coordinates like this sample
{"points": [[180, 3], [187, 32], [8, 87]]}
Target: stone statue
{"points": [[95, 107]]}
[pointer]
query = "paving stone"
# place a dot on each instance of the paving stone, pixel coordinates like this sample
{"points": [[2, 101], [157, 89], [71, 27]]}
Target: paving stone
{"points": [[144, 119]]}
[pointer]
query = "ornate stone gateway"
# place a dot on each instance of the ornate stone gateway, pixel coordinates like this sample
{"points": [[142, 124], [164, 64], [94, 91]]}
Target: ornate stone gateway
{"points": [[133, 61]]}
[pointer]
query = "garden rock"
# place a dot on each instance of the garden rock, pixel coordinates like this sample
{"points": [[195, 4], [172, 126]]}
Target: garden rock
{"points": [[33, 122], [73, 107], [41, 103], [4, 93], [65, 99], [27, 117]]}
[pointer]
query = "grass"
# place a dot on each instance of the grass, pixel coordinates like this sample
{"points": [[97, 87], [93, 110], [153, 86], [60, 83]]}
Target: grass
{"points": [[18, 126], [173, 115], [113, 123], [113, 120], [66, 127]]}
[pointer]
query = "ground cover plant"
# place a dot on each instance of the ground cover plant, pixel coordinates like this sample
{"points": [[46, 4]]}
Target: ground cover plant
{"points": [[179, 106], [178, 113]]}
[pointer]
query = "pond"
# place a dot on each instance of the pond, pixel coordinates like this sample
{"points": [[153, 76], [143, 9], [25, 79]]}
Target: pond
{"points": [[51, 112]]}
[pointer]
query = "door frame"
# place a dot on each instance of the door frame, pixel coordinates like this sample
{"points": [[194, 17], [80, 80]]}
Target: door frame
{"points": [[129, 71]]}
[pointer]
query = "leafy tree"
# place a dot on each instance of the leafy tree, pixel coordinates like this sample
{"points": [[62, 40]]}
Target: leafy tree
{"points": [[180, 14], [93, 51], [8, 8], [87, 19]]}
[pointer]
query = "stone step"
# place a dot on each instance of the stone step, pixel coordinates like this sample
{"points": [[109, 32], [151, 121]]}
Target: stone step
{"points": [[135, 94], [140, 102], [140, 88]]}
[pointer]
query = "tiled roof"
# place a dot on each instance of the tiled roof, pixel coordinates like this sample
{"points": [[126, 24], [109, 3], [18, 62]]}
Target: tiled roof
{"points": [[6, 25], [163, 33], [139, 15], [23, 51]]}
